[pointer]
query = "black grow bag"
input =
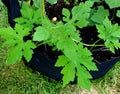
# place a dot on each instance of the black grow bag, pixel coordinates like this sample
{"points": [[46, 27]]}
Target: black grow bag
{"points": [[44, 65]]}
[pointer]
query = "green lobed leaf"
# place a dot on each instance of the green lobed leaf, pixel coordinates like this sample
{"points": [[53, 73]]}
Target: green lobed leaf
{"points": [[21, 31], [83, 77], [66, 14], [62, 61], [68, 38], [14, 54], [26, 11], [14, 36], [30, 17], [41, 34], [37, 3], [68, 73], [91, 23], [36, 17], [72, 32], [100, 15], [7, 33], [110, 33], [18, 48], [27, 50], [79, 56], [113, 3], [70, 51], [85, 57], [81, 13]]}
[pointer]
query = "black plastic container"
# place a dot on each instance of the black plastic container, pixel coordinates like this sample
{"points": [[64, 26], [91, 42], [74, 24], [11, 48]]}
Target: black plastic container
{"points": [[42, 64]]}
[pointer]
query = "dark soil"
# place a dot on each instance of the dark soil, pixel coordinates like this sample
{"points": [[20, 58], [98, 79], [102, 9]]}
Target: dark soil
{"points": [[89, 34]]}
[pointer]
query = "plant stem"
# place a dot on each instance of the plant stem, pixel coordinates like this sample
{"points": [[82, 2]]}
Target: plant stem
{"points": [[42, 43], [43, 8], [93, 45]]}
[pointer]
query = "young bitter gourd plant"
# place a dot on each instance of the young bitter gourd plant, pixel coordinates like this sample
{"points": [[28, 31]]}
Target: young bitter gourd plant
{"points": [[76, 59]]}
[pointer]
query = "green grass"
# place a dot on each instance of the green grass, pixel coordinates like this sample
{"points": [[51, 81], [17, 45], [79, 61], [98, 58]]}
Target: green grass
{"points": [[110, 83], [17, 79]]}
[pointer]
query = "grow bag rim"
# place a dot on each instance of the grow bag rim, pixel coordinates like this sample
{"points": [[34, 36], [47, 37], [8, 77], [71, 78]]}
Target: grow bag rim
{"points": [[46, 66]]}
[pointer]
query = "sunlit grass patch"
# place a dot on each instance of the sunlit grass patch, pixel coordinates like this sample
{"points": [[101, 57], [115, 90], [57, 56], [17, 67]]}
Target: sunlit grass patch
{"points": [[3, 15], [110, 83], [18, 79]]}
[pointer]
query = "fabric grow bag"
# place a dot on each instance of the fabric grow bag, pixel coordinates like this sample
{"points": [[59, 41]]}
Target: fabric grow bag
{"points": [[43, 64]]}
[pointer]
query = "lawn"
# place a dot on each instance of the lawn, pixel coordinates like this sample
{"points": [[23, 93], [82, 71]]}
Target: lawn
{"points": [[18, 79]]}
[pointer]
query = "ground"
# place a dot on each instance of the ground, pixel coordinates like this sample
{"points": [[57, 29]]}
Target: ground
{"points": [[17, 79]]}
